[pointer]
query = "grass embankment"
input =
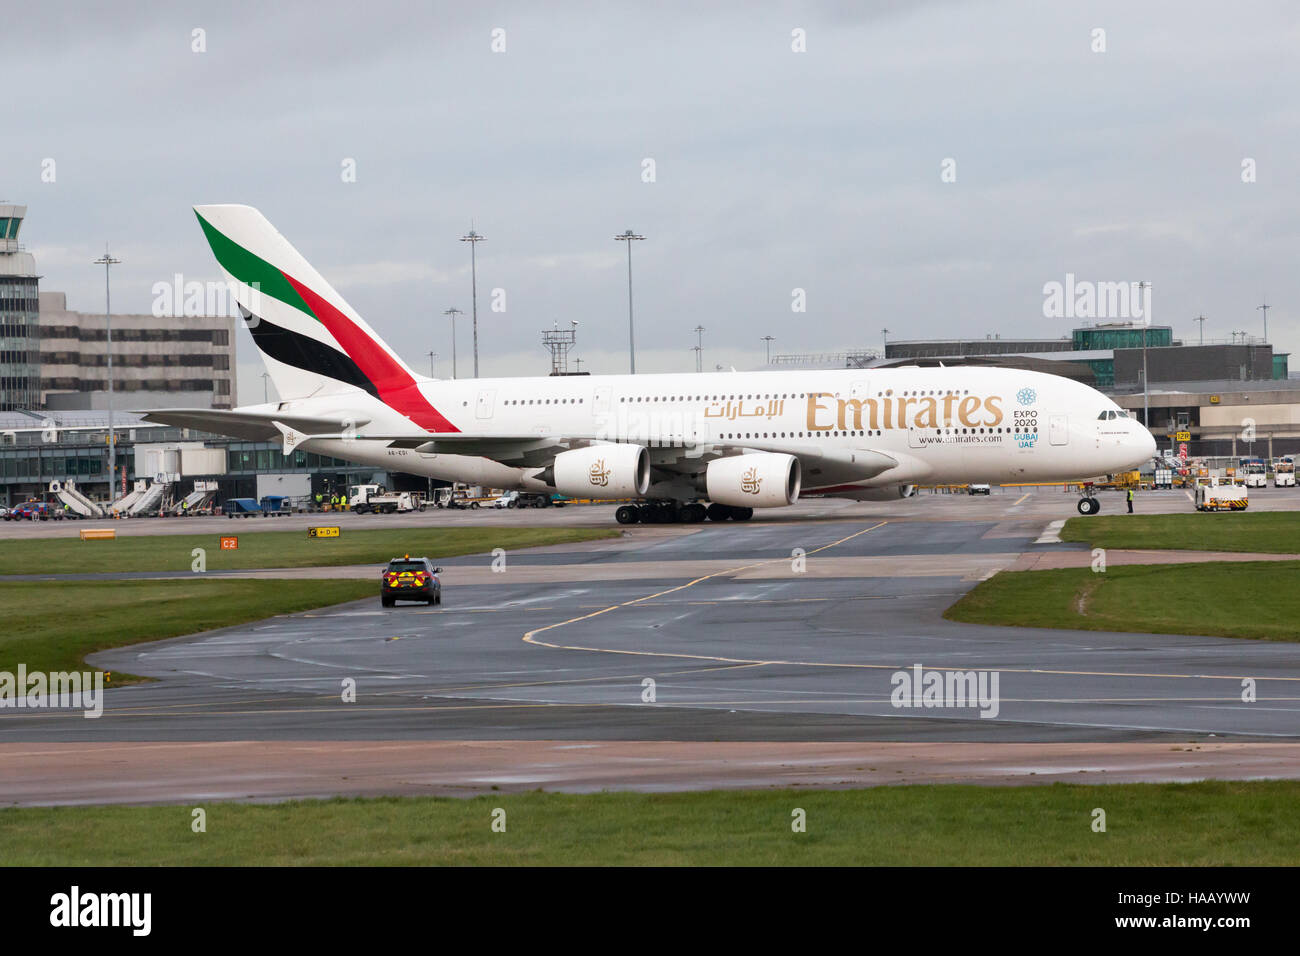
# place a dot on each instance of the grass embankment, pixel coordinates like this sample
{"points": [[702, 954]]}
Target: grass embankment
{"points": [[1201, 824], [52, 626], [1251, 599], [271, 549], [1272, 532]]}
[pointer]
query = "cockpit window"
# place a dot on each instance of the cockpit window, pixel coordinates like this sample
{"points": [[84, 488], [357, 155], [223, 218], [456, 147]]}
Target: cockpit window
{"points": [[1103, 416], [1110, 414], [1121, 414]]}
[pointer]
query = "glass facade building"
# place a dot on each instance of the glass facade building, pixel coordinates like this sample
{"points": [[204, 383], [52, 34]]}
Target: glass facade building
{"points": [[20, 344]]}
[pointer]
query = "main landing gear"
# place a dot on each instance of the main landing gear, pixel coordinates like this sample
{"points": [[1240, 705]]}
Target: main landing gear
{"points": [[672, 512]]}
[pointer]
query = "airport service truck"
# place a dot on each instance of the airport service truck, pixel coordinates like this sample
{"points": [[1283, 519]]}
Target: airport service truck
{"points": [[372, 499], [1252, 472], [1284, 472], [1216, 496]]}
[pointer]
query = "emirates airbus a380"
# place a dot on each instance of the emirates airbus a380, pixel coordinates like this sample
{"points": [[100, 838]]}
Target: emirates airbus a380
{"points": [[689, 446]]}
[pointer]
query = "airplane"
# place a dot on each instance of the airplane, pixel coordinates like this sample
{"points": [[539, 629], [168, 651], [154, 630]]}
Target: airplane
{"points": [[685, 447]]}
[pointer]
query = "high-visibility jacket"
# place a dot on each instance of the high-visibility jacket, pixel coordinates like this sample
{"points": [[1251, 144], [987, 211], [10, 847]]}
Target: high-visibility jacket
{"points": [[1130, 494], [343, 501]]}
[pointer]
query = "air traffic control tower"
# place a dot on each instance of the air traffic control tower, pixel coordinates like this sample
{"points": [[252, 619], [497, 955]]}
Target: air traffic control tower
{"points": [[20, 346]]}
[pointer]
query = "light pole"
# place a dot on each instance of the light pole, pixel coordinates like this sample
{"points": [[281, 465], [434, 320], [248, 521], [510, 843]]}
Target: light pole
{"points": [[767, 340], [1201, 319], [1264, 308], [699, 348], [474, 239], [266, 397], [1146, 391], [107, 262], [629, 237], [884, 338], [453, 312], [432, 355]]}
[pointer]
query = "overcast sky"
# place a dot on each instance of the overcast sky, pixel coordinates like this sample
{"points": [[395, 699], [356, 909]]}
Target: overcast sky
{"points": [[773, 169]]}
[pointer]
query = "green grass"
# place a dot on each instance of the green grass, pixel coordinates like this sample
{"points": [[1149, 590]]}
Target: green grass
{"points": [[1251, 599], [1274, 532], [52, 626], [1203, 824], [271, 549]]}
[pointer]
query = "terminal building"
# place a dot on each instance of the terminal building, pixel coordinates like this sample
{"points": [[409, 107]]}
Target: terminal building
{"points": [[54, 398], [39, 450], [19, 316], [158, 362]]}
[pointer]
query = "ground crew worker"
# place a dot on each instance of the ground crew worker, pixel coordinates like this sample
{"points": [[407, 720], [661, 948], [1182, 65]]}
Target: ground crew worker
{"points": [[319, 498], [343, 501], [1130, 501]]}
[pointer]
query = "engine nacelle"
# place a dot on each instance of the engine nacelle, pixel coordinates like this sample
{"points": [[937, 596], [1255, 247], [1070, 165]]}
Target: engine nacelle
{"points": [[888, 493], [603, 471], [763, 480]]}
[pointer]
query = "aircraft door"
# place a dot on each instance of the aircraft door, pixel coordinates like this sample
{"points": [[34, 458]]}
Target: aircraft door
{"points": [[486, 402], [1058, 427]]}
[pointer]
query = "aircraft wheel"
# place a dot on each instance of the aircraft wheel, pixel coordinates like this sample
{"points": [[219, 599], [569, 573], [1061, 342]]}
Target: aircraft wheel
{"points": [[741, 514], [693, 513], [627, 514], [1089, 506], [717, 512]]}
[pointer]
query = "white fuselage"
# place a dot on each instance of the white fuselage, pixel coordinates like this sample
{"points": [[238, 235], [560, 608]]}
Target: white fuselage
{"points": [[941, 425]]}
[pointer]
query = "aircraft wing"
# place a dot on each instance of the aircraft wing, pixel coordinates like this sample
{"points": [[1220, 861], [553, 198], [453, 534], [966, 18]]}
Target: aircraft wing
{"points": [[252, 426], [820, 466]]}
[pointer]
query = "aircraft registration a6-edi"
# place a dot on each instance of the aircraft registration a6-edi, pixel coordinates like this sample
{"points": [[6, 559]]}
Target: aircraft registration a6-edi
{"points": [[684, 446]]}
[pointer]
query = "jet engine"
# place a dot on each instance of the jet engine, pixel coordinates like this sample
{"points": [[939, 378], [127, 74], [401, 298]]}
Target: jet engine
{"points": [[763, 480], [603, 471]]}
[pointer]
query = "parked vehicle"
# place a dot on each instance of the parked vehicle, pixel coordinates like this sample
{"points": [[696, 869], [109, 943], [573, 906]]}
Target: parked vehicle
{"points": [[242, 507], [1216, 496], [273, 505], [372, 499], [1252, 472], [35, 511], [1284, 472]]}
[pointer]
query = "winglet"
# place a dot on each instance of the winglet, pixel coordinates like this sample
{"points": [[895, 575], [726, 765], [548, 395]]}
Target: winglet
{"points": [[292, 437]]}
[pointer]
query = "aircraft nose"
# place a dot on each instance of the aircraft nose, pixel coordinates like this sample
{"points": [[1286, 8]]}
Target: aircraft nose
{"points": [[1147, 443]]}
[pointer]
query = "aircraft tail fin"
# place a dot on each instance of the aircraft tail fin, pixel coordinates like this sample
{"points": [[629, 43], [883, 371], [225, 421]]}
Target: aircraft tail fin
{"points": [[314, 342]]}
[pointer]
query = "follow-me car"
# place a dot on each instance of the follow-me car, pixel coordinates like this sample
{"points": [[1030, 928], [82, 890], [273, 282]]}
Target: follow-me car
{"points": [[682, 446]]}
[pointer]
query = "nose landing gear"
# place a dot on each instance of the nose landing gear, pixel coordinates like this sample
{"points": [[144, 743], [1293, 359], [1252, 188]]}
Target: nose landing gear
{"points": [[1088, 504]]}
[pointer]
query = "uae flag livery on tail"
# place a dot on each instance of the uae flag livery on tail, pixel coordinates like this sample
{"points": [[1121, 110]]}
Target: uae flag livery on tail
{"points": [[313, 341]]}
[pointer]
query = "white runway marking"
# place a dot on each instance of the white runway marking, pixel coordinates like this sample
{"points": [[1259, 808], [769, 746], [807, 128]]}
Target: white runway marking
{"points": [[1052, 533]]}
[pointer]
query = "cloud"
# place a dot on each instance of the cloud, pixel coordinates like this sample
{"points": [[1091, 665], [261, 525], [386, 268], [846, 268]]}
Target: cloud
{"points": [[774, 170]]}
